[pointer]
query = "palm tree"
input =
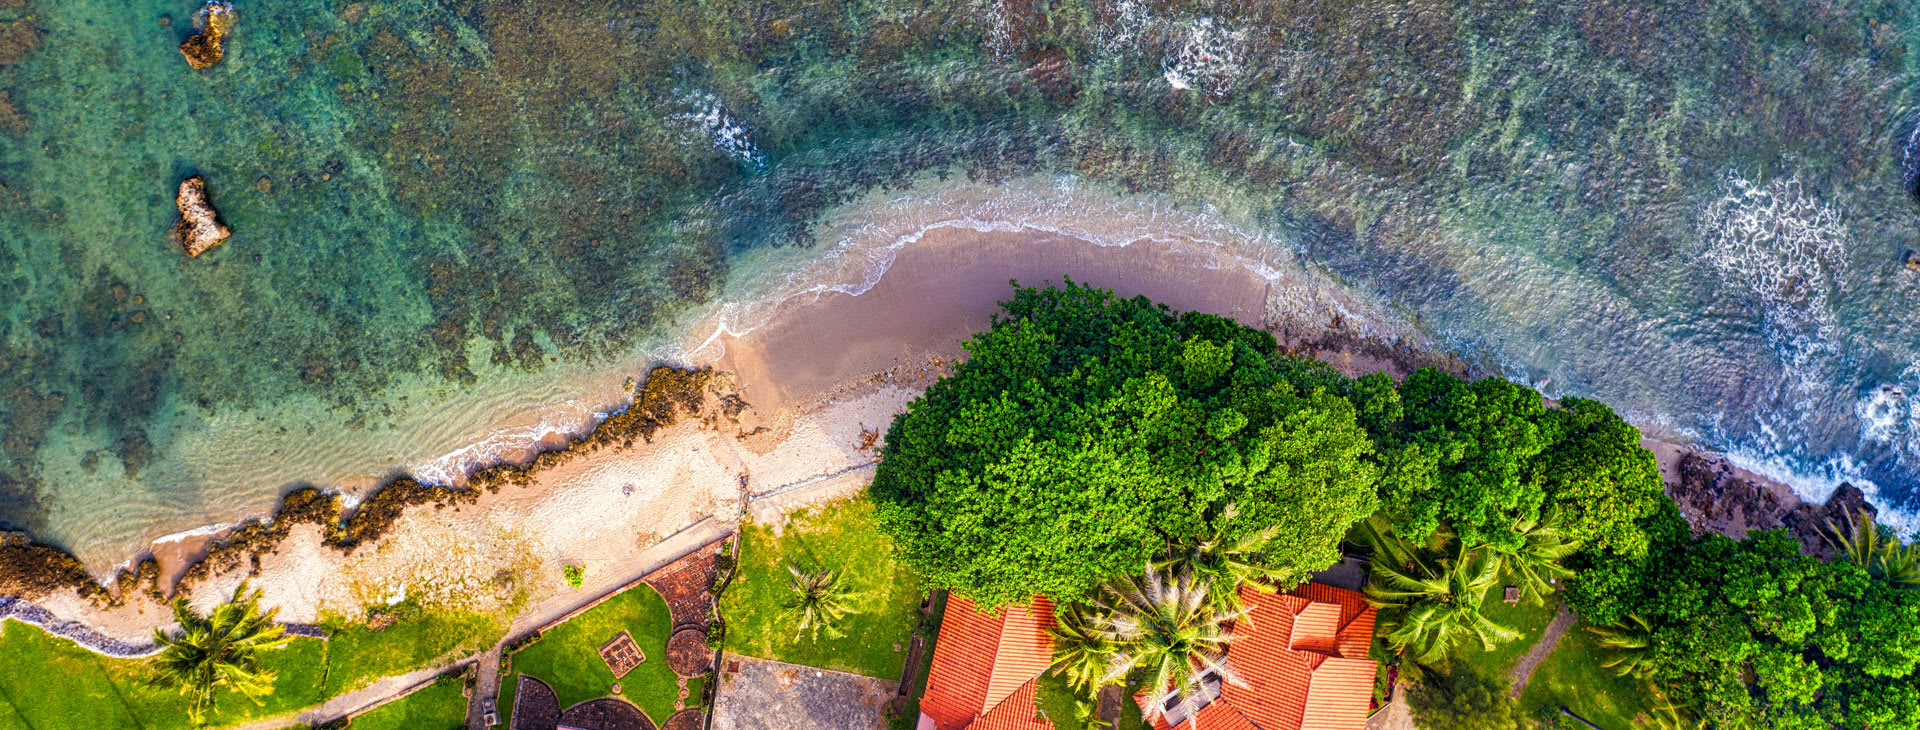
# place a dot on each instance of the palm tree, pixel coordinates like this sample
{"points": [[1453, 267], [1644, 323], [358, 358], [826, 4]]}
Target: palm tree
{"points": [[1871, 546], [1438, 609], [1225, 563], [819, 602], [221, 649], [1534, 563], [1167, 626], [1083, 646], [1631, 643]]}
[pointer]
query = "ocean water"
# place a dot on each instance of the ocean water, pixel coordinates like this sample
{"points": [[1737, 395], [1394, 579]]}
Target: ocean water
{"points": [[459, 226]]}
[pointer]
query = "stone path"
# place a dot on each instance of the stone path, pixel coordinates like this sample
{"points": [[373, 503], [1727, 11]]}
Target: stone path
{"points": [[762, 694], [1549, 639]]}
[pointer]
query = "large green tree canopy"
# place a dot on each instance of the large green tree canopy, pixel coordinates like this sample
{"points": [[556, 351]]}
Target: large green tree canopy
{"points": [[1085, 431]]}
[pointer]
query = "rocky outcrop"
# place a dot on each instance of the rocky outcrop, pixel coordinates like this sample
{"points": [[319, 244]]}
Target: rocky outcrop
{"points": [[208, 46], [1809, 523], [199, 228], [1714, 497]]}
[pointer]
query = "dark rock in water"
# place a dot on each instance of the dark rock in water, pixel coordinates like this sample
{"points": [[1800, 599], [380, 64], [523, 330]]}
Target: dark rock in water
{"points": [[207, 47], [1812, 524], [199, 228], [1913, 260]]}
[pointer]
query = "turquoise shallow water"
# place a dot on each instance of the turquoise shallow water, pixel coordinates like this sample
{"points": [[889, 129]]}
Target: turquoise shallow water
{"points": [[449, 211]]}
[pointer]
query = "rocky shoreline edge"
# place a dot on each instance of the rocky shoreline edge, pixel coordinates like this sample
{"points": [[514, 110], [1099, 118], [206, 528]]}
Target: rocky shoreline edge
{"points": [[30, 571], [26, 612]]}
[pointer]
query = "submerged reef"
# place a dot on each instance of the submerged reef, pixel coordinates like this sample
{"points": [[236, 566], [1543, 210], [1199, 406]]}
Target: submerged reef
{"points": [[199, 228], [207, 47]]}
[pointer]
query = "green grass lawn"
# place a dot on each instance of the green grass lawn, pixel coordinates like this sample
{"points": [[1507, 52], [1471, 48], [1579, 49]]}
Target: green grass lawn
{"points": [[357, 655], [438, 707], [51, 684], [1572, 676], [1525, 618], [909, 717], [568, 657], [843, 537]]}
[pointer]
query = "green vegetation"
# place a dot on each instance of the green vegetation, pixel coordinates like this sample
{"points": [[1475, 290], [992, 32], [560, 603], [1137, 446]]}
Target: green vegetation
{"points": [[219, 653], [1753, 634], [576, 575], [843, 537], [1467, 699], [51, 684], [1435, 610], [357, 655], [439, 706], [1525, 619], [567, 657], [819, 602], [1573, 677], [1084, 432]]}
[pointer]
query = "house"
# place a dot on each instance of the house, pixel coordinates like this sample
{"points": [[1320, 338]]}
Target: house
{"points": [[985, 668], [1301, 661]]}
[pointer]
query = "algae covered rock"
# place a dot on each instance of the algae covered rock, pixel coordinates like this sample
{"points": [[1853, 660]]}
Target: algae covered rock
{"points": [[199, 228], [207, 47]]}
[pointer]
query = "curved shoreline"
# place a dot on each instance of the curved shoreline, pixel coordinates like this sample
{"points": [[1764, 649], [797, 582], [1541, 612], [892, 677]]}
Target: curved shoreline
{"points": [[818, 351]]}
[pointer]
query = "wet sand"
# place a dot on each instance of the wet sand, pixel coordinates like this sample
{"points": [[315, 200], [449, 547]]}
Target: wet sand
{"points": [[945, 288], [821, 378]]}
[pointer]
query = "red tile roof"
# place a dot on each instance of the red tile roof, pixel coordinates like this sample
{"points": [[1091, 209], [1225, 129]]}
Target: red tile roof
{"points": [[985, 667], [1302, 656]]}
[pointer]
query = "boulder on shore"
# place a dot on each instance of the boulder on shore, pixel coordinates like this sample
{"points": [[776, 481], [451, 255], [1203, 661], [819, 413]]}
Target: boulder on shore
{"points": [[199, 228], [207, 47]]}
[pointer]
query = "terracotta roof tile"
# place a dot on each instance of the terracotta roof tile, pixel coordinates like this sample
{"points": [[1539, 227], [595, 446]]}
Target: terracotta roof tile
{"points": [[985, 666], [1302, 658]]}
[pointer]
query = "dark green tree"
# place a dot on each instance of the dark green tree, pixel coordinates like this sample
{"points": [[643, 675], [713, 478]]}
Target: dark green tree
{"points": [[1466, 699], [1086, 432]]}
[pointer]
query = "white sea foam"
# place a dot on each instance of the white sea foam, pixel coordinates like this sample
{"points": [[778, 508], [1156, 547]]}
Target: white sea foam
{"points": [[709, 116], [570, 419], [1208, 57], [203, 531]]}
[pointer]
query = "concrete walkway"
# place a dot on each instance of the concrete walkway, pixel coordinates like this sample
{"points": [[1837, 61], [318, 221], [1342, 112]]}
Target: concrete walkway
{"points": [[694, 537], [678, 545]]}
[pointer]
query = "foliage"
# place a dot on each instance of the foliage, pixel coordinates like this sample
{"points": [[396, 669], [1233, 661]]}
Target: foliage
{"points": [[819, 602], [1165, 627], [1467, 699], [222, 650], [1486, 458], [1430, 611], [1753, 634], [844, 537], [1226, 563], [576, 575], [1084, 432], [1876, 549], [1084, 647], [1534, 563], [1631, 644]]}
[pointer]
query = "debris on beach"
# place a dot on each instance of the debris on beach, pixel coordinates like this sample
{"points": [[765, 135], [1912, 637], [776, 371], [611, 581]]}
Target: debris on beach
{"points": [[208, 46], [199, 228]]}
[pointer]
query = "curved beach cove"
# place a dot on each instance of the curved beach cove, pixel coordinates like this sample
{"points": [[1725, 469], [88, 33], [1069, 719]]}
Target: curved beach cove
{"points": [[807, 378]]}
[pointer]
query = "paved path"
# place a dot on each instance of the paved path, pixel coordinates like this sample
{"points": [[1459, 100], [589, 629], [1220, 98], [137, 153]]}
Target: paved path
{"points": [[673, 548], [1523, 671], [693, 537]]}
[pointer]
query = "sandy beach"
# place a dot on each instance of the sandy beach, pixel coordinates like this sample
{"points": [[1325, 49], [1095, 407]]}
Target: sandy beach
{"points": [[820, 378]]}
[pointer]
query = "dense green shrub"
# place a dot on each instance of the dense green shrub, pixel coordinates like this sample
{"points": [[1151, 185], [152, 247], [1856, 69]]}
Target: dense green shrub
{"points": [[1085, 431], [1466, 699]]}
